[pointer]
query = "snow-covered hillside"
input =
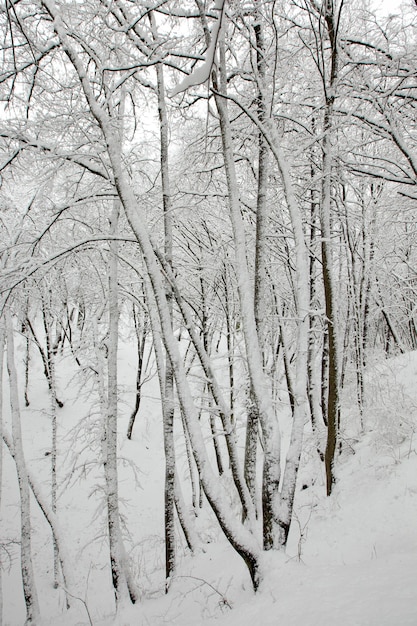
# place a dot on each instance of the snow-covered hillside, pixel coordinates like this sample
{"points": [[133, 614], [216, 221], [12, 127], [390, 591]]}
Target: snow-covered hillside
{"points": [[351, 558]]}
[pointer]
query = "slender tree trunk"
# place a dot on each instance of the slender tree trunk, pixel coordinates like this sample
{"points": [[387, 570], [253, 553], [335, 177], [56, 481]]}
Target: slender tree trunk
{"points": [[44, 356], [207, 347], [168, 395], [122, 583], [251, 446], [314, 377], [216, 444], [229, 342], [261, 258], [368, 227], [141, 340], [282, 510], [183, 516], [28, 578], [185, 519], [284, 506], [326, 251], [25, 332], [50, 356]]}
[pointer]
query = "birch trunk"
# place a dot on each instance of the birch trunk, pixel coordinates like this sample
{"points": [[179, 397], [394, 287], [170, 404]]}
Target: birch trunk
{"points": [[183, 516], [141, 335], [168, 392], [28, 578], [123, 586], [315, 326], [326, 251], [261, 258], [50, 356]]}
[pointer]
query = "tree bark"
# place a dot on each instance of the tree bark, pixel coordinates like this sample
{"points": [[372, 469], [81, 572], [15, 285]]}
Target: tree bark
{"points": [[33, 616], [261, 258], [141, 341], [122, 583], [168, 394], [333, 407], [50, 357]]}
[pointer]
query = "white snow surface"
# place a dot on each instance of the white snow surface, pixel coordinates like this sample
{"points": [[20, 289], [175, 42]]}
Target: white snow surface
{"points": [[351, 558]]}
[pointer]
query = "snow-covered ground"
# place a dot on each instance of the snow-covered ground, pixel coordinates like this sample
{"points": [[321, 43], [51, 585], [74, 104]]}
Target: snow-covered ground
{"points": [[351, 559]]}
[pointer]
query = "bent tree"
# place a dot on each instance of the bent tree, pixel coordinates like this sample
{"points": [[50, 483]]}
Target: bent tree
{"points": [[99, 77], [224, 224], [80, 59]]}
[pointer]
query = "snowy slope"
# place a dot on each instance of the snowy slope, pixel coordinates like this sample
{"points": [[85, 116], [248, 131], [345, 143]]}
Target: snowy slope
{"points": [[351, 558]]}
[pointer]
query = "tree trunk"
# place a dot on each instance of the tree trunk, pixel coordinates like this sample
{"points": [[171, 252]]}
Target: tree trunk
{"points": [[168, 392], [141, 341], [326, 251], [28, 579], [314, 377], [261, 259], [122, 583], [50, 356], [184, 517]]}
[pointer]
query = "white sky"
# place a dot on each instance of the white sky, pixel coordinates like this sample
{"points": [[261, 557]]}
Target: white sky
{"points": [[392, 6]]}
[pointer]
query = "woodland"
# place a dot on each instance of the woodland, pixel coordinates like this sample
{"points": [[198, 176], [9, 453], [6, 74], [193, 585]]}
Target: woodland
{"points": [[227, 189]]}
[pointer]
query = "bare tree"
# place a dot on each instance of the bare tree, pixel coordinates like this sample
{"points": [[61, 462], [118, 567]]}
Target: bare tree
{"points": [[28, 579]]}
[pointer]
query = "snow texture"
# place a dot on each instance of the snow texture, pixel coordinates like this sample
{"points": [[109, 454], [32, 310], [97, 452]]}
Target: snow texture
{"points": [[202, 73], [351, 558]]}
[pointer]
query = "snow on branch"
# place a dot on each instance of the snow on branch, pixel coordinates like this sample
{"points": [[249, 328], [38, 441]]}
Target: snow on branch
{"points": [[202, 73]]}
